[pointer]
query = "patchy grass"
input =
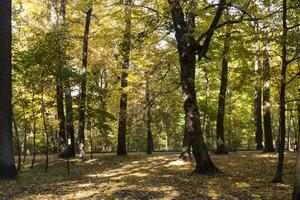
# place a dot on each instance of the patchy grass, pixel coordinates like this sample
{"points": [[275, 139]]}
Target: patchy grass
{"points": [[245, 175]]}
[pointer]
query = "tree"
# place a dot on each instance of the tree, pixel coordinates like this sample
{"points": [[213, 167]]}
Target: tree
{"points": [[188, 47], [266, 102], [257, 106], [279, 171], [82, 106], [221, 148], [125, 51], [7, 162]]}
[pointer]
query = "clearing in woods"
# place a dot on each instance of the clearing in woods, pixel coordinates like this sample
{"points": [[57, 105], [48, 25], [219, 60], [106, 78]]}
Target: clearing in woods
{"points": [[245, 175]]}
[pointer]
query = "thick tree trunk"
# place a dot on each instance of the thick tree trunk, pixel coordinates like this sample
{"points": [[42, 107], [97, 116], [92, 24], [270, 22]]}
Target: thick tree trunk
{"points": [[126, 47], [278, 175], [60, 113], [266, 101], [7, 161], [150, 147], [186, 147], [257, 107], [187, 48], [221, 148], [82, 107]]}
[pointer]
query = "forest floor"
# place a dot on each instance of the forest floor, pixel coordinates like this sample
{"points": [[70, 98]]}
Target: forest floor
{"points": [[245, 175]]}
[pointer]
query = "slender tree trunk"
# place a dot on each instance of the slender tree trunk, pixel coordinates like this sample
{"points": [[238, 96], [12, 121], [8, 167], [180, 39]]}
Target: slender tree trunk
{"points": [[150, 147], [266, 101], [25, 132], [257, 106], [7, 161], [82, 107], [43, 111], [126, 47], [221, 148], [278, 175], [60, 113], [69, 119], [206, 102], [33, 129], [18, 145]]}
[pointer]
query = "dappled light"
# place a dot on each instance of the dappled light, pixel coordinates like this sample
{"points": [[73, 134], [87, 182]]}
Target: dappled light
{"points": [[158, 176]]}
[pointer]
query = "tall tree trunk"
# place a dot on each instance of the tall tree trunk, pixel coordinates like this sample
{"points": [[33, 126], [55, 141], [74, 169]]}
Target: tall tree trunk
{"points": [[33, 128], [7, 161], [150, 147], [18, 145], [43, 111], [25, 132], [126, 47], [221, 148], [206, 102], [187, 48], [82, 106], [69, 119], [60, 113], [257, 107], [266, 101], [278, 175]]}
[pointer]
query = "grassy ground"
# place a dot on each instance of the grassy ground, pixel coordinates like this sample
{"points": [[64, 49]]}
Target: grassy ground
{"points": [[245, 175]]}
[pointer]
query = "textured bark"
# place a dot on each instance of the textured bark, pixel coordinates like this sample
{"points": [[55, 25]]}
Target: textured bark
{"points": [[257, 107], [221, 148], [186, 147], [278, 175], [188, 47], [82, 106], [126, 47], [7, 162], [267, 104]]}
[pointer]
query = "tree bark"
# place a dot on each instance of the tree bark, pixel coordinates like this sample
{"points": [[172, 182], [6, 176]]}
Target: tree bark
{"points": [[25, 124], [266, 101], [7, 161], [186, 147], [33, 128], [278, 175], [221, 148], [82, 106], [126, 47], [69, 119], [150, 147], [43, 111], [187, 48], [17, 139], [296, 189], [257, 107]]}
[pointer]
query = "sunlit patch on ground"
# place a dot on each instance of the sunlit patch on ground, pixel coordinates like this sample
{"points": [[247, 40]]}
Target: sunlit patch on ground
{"points": [[245, 175]]}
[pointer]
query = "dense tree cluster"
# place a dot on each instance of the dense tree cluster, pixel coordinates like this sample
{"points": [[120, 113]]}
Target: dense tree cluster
{"points": [[148, 75]]}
